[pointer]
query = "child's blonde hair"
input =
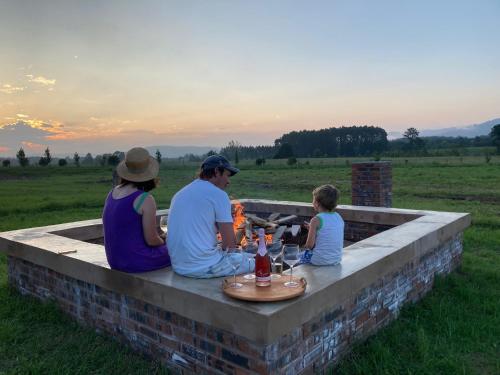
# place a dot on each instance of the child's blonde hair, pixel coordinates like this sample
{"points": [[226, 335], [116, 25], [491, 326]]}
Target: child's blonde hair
{"points": [[327, 196]]}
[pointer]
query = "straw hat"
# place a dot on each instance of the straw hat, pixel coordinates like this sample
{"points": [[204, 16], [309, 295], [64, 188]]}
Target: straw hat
{"points": [[138, 166]]}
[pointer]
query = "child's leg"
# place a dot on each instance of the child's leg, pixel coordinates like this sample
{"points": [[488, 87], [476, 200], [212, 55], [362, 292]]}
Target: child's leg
{"points": [[306, 257]]}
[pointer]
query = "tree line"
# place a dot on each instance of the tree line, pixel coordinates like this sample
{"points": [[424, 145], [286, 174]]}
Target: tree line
{"points": [[355, 141], [348, 141]]}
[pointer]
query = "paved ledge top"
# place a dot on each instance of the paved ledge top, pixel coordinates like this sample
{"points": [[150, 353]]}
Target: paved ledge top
{"points": [[415, 233]]}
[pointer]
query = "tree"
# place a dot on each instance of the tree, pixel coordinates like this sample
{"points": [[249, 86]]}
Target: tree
{"points": [[285, 151], [333, 142], [6, 163], [101, 159], [292, 160], [158, 156], [46, 158], [88, 159], [236, 157], [495, 135], [21, 156], [113, 160], [415, 142], [62, 162], [76, 159], [231, 150]]}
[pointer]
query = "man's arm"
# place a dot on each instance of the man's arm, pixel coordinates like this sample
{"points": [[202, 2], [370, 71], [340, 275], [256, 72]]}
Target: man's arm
{"points": [[227, 234]]}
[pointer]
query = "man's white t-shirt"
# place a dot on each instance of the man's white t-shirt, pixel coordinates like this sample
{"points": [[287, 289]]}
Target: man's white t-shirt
{"points": [[192, 230]]}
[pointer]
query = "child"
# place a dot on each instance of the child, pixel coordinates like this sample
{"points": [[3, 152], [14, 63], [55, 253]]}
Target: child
{"points": [[326, 230]]}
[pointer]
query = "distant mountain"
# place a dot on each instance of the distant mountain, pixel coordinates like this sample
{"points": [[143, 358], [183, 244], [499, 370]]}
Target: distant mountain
{"points": [[168, 151], [470, 131]]}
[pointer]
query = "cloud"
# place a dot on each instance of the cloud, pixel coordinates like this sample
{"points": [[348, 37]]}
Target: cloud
{"points": [[20, 115], [41, 80], [4, 150], [9, 89], [33, 147], [32, 130]]}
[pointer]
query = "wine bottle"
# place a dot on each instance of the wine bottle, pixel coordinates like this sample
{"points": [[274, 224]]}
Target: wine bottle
{"points": [[262, 263]]}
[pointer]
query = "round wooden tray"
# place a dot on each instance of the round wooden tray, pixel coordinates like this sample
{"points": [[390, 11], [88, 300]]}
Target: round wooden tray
{"points": [[276, 292]]}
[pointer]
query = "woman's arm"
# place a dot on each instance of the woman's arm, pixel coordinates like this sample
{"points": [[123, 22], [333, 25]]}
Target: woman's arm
{"points": [[151, 235], [311, 236]]}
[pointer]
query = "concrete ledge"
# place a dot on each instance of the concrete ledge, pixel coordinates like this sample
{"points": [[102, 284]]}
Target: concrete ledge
{"points": [[416, 233]]}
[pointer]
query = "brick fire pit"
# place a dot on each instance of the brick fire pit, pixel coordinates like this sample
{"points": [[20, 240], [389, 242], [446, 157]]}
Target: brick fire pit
{"points": [[192, 326]]}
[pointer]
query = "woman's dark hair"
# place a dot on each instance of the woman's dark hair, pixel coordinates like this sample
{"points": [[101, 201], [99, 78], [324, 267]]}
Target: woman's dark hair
{"points": [[143, 185], [206, 174]]}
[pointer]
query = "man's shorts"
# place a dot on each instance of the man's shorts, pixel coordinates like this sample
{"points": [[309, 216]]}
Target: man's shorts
{"points": [[224, 268]]}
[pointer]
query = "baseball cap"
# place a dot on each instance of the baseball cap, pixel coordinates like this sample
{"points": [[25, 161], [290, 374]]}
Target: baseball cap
{"points": [[215, 161]]}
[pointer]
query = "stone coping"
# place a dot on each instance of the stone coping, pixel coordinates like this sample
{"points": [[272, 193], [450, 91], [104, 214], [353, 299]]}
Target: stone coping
{"points": [[416, 233]]}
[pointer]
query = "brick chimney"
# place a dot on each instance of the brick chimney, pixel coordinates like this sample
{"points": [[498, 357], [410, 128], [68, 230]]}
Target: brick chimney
{"points": [[371, 184]]}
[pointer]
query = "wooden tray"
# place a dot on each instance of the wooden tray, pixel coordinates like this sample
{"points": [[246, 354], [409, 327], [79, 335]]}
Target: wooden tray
{"points": [[276, 292]]}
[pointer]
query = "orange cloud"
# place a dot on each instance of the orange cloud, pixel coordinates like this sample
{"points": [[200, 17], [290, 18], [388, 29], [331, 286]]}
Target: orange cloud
{"points": [[4, 149], [33, 146]]}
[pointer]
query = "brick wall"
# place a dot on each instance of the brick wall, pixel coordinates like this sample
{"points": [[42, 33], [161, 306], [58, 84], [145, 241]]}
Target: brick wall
{"points": [[187, 346], [372, 184]]}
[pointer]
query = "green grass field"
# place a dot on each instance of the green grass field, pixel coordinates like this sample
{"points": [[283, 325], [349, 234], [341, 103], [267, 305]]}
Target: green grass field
{"points": [[454, 330]]}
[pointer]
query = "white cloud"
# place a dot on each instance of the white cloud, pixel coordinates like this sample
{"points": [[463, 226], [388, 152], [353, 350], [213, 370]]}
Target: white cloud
{"points": [[41, 80], [20, 115], [9, 89]]}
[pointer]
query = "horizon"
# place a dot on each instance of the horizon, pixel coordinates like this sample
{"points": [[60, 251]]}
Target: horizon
{"points": [[98, 77]]}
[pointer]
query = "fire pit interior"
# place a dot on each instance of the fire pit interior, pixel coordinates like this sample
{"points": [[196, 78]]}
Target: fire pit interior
{"points": [[278, 225]]}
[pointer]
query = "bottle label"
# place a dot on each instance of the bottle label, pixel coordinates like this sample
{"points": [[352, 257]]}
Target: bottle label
{"points": [[263, 280]]}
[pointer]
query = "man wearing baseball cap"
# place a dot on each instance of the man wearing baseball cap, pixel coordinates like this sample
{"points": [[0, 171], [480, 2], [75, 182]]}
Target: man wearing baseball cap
{"points": [[197, 213]]}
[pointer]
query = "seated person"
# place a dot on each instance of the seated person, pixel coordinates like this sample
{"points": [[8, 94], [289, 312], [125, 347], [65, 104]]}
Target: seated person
{"points": [[131, 238], [325, 239], [197, 212]]}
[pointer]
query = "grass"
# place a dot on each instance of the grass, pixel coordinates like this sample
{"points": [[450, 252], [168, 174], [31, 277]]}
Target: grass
{"points": [[454, 330]]}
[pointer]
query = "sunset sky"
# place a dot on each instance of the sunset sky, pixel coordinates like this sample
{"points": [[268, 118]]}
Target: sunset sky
{"points": [[100, 76]]}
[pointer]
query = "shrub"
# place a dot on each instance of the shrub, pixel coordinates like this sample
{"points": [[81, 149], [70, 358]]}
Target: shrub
{"points": [[6, 163], [292, 160], [260, 161], [62, 162]]}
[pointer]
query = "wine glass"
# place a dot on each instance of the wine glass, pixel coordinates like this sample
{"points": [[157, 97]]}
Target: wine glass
{"points": [[275, 249], [234, 257], [291, 257], [163, 224], [251, 250]]}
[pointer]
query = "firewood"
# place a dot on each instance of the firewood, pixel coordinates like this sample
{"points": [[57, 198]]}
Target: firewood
{"points": [[239, 236], [257, 220], [248, 230], [261, 222], [285, 219], [279, 233], [273, 216], [295, 229]]}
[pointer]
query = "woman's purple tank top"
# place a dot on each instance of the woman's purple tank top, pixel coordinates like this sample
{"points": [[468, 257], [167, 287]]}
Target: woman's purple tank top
{"points": [[126, 249]]}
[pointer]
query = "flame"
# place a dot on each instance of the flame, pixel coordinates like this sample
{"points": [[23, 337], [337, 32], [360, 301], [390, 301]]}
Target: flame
{"points": [[239, 221], [238, 215]]}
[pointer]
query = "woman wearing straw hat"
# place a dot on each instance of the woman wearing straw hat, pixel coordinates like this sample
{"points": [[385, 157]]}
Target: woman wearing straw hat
{"points": [[131, 239]]}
